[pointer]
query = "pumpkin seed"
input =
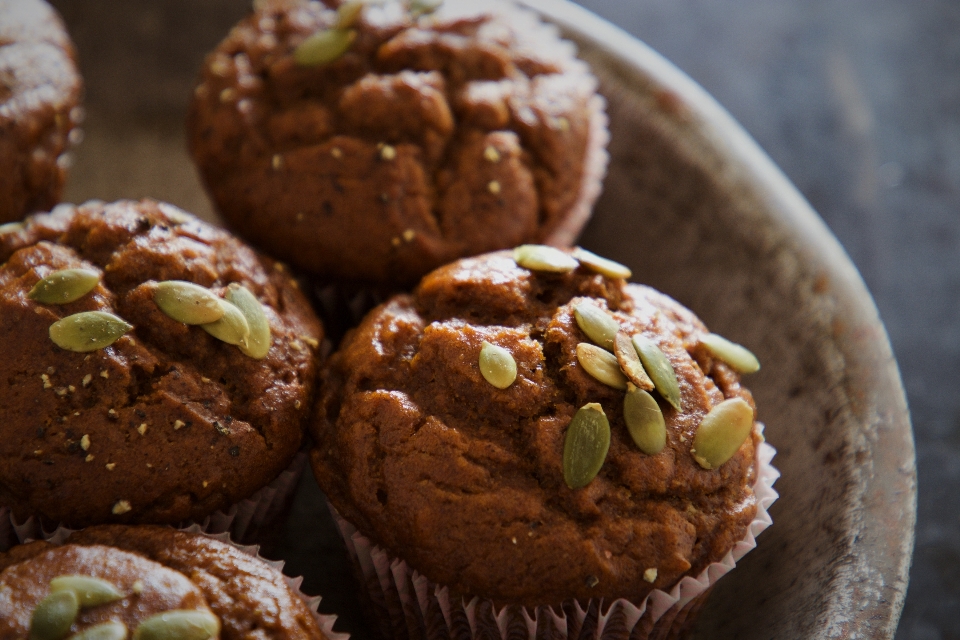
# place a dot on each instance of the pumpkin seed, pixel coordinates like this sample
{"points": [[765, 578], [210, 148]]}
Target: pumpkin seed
{"points": [[112, 630], [497, 365], [348, 12], [324, 47], [422, 7], [54, 615], [11, 227], [91, 591], [738, 357], [65, 285], [88, 331], [601, 265], [721, 432], [659, 369], [644, 420], [540, 257], [601, 364], [187, 302], [585, 445], [597, 324], [232, 327], [178, 624], [257, 344], [630, 362]]}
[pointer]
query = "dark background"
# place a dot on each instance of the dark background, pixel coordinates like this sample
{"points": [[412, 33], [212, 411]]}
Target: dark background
{"points": [[859, 103]]}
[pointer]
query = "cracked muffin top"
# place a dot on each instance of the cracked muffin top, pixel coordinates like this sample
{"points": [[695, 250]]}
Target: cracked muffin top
{"points": [[476, 430], [40, 90], [128, 577], [375, 142], [113, 408]]}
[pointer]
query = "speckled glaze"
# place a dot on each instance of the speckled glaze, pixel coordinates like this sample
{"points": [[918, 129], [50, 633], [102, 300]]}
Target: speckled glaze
{"points": [[699, 212]]}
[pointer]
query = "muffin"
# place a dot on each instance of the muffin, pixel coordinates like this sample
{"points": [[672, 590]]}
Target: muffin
{"points": [[530, 429], [118, 410], [374, 142], [132, 577], [40, 90]]}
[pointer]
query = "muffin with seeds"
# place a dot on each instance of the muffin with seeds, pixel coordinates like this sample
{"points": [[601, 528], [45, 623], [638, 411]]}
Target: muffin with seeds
{"points": [[113, 582], [40, 92], [373, 142], [158, 369], [530, 429]]}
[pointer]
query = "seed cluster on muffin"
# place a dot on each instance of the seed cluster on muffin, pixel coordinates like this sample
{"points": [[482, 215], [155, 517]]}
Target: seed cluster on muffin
{"points": [[377, 141], [112, 582], [117, 410], [547, 472], [40, 92]]}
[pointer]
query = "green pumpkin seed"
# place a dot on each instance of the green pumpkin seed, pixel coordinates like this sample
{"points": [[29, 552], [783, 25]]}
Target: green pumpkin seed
{"points": [[739, 358], [257, 344], [91, 591], [597, 324], [644, 420], [187, 302], [630, 363], [497, 365], [721, 432], [659, 369], [324, 47], [88, 331], [348, 12], [601, 364], [601, 265], [54, 615], [540, 257], [232, 327], [112, 630], [422, 7], [585, 445], [65, 285], [178, 624]]}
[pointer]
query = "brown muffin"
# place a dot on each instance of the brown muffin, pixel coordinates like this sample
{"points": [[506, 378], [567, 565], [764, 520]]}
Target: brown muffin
{"points": [[40, 89], [166, 423], [155, 570], [423, 138], [468, 482]]}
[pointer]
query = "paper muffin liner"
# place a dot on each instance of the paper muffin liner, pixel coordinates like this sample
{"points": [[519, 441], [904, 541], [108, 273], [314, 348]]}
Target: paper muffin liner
{"points": [[408, 606], [246, 521], [325, 621]]}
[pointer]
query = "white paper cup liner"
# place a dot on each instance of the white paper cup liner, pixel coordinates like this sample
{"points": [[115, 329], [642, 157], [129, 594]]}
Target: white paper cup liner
{"points": [[408, 606], [245, 521]]}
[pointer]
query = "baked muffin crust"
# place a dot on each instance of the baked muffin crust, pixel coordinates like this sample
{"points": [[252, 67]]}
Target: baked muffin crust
{"points": [[469, 129], [465, 481], [167, 423]]}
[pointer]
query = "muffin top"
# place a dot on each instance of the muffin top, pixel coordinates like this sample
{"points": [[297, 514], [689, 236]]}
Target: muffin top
{"points": [[143, 571], [377, 142], [470, 483], [115, 411], [39, 88]]}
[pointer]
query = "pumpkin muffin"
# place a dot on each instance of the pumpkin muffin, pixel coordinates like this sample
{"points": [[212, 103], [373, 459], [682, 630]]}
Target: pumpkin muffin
{"points": [[40, 91], [528, 428], [373, 142], [158, 370], [150, 582]]}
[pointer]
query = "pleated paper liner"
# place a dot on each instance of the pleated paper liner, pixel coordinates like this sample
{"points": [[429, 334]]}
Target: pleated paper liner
{"points": [[410, 607], [60, 536], [249, 520]]}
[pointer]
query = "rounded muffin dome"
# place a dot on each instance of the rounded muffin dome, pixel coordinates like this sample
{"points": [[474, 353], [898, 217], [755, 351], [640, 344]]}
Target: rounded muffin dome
{"points": [[40, 89], [381, 140], [115, 411], [148, 581], [420, 448]]}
